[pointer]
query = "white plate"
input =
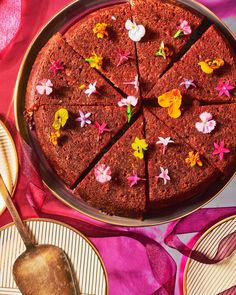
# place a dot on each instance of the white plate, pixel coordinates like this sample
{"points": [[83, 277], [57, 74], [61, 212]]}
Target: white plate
{"points": [[87, 263], [8, 162], [211, 279]]}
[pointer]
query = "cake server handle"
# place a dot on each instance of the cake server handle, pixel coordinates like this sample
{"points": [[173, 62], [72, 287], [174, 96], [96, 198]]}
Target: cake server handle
{"points": [[15, 215]]}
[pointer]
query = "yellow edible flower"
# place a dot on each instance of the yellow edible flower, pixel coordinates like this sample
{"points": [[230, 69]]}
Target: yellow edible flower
{"points": [[95, 61], [54, 137], [209, 65], [82, 86], [60, 119], [193, 159], [164, 51], [171, 100], [139, 145], [100, 30]]}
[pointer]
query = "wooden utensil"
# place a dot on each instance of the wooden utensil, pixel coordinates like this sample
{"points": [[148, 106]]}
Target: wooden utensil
{"points": [[41, 269]]}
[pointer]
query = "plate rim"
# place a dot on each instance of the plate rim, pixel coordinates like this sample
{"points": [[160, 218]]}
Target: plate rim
{"points": [[199, 240], [49, 220], [3, 125], [127, 221]]}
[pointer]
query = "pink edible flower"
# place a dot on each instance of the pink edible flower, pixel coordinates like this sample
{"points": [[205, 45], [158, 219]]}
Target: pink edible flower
{"points": [[220, 149], [185, 27], [45, 86], [164, 175], [133, 179], [188, 83], [56, 66], [224, 88], [129, 101], [207, 125], [83, 118], [135, 83], [123, 56], [101, 128], [164, 142], [102, 173], [92, 89]]}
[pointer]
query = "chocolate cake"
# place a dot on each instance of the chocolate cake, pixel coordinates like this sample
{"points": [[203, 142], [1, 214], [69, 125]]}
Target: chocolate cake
{"points": [[113, 44], [70, 77], [78, 144], [187, 74], [123, 153], [123, 190], [168, 23], [168, 153]]}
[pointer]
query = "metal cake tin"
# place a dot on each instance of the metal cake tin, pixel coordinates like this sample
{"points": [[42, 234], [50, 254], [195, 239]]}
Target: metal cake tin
{"points": [[60, 22]]}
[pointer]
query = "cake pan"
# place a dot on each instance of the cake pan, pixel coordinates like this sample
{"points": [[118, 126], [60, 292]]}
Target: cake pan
{"points": [[61, 22]]}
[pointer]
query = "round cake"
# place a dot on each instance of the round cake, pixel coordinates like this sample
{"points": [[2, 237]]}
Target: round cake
{"points": [[134, 107]]}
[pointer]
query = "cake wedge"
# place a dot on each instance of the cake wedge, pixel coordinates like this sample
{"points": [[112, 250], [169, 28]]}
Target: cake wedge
{"points": [[117, 184], [171, 179]]}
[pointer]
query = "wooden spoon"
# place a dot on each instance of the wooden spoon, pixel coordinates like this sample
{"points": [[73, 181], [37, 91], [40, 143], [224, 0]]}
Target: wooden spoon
{"points": [[41, 269]]}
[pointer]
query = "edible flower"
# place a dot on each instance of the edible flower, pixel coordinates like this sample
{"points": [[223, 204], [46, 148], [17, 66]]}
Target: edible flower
{"points": [[207, 125], [193, 159], [83, 119], [134, 179], [224, 88], [164, 175], [209, 65], [164, 142], [91, 89], [164, 51], [100, 30], [188, 83], [171, 100], [82, 86], [95, 61], [45, 86], [54, 136], [129, 101], [135, 83], [56, 66], [220, 149], [139, 145], [101, 128], [136, 32], [102, 173], [123, 56], [60, 118], [183, 29]]}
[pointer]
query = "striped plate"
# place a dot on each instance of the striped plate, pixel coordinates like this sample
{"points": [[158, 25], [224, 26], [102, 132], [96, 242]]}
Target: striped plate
{"points": [[8, 162], [211, 279], [87, 263]]}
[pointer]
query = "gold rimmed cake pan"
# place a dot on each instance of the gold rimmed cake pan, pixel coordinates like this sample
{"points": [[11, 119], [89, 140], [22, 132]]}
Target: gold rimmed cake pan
{"points": [[60, 22]]}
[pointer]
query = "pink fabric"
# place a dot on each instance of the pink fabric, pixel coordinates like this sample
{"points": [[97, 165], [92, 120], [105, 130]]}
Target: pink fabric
{"points": [[135, 259]]}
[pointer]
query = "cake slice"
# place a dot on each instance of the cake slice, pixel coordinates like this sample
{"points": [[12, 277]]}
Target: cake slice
{"points": [[107, 188], [79, 142], [103, 33], [187, 74], [218, 146], [161, 20], [70, 77], [182, 181]]}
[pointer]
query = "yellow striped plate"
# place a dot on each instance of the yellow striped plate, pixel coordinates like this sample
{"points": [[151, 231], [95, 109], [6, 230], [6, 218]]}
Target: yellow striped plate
{"points": [[211, 279], [87, 263], [8, 162]]}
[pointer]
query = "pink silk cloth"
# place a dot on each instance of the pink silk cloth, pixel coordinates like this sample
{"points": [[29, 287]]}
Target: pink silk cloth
{"points": [[136, 259]]}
